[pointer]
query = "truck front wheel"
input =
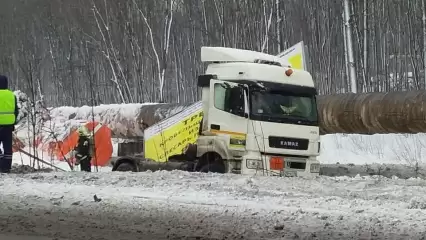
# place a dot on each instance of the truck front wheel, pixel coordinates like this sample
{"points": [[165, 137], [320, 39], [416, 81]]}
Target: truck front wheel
{"points": [[211, 162], [126, 167], [214, 167]]}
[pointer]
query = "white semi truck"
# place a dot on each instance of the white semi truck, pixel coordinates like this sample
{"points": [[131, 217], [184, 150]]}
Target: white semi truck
{"points": [[258, 116]]}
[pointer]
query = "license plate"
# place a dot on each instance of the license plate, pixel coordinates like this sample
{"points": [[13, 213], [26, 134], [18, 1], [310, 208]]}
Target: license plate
{"points": [[293, 159], [315, 168], [289, 174]]}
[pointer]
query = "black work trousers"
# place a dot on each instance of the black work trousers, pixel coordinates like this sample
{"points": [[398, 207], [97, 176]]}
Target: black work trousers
{"points": [[6, 141], [85, 165]]}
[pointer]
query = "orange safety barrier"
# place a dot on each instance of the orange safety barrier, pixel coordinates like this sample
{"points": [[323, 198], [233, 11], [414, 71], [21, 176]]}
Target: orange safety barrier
{"points": [[102, 140]]}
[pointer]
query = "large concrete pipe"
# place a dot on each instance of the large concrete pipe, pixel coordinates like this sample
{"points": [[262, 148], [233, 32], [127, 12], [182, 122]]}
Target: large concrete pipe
{"points": [[370, 113], [365, 113], [125, 121]]}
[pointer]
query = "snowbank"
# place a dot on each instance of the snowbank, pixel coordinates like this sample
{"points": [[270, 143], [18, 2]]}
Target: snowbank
{"points": [[407, 149], [209, 206]]}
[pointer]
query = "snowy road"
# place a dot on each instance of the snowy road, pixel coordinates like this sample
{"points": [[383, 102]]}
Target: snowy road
{"points": [[22, 237], [173, 205]]}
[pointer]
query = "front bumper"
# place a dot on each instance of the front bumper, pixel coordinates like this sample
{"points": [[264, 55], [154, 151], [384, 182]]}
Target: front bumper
{"points": [[291, 166]]}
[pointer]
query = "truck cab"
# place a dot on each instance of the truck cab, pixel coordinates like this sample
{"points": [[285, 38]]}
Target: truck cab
{"points": [[257, 116], [260, 115]]}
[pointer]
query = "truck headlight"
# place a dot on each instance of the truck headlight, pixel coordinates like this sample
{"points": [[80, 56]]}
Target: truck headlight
{"points": [[315, 168], [254, 164], [235, 142]]}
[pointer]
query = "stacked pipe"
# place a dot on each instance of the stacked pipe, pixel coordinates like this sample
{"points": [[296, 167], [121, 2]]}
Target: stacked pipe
{"points": [[125, 121], [364, 113], [370, 113]]}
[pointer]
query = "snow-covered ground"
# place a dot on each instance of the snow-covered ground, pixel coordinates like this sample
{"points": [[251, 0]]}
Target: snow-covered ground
{"points": [[20, 159], [368, 149], [210, 206]]}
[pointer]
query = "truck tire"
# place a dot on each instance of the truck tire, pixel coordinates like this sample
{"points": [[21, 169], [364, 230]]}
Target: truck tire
{"points": [[214, 168], [126, 167], [187, 167]]}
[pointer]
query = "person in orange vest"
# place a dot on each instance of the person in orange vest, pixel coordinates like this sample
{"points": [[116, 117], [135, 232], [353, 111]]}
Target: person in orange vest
{"points": [[8, 114]]}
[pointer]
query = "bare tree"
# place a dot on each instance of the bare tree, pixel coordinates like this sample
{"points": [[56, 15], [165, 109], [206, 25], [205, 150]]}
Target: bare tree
{"points": [[150, 50]]}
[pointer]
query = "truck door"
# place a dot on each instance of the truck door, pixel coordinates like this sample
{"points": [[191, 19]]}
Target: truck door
{"points": [[228, 114]]}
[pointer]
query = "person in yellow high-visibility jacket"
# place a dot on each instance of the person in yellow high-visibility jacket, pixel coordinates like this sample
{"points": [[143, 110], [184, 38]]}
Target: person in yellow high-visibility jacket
{"points": [[8, 115]]}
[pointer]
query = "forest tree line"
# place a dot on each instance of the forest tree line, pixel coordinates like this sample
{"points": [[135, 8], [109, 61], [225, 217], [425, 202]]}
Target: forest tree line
{"points": [[85, 52]]}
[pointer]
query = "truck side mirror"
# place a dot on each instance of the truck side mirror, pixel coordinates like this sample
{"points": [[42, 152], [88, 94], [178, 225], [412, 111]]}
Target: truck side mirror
{"points": [[204, 80]]}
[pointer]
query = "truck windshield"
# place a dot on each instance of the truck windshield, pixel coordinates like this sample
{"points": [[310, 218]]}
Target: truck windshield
{"points": [[283, 107]]}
